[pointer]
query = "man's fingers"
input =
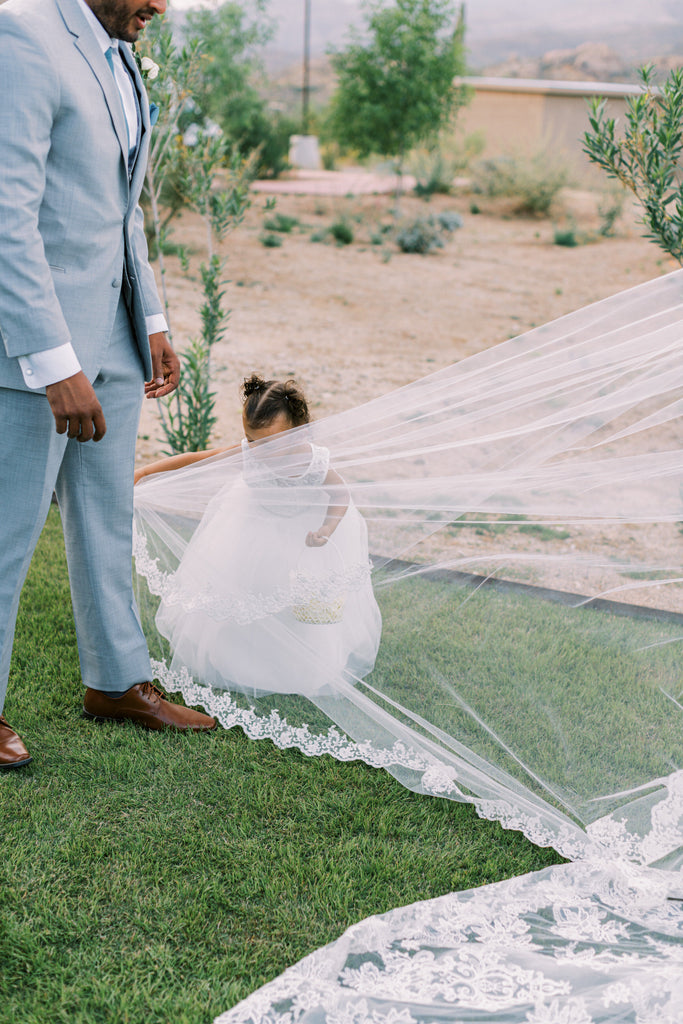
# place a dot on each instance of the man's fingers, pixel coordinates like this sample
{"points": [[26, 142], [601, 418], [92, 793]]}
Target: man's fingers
{"points": [[85, 428], [76, 409], [160, 392], [165, 367], [174, 375], [100, 426]]}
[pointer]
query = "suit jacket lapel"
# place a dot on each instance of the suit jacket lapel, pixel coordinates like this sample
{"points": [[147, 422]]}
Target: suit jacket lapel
{"points": [[85, 42], [143, 109]]}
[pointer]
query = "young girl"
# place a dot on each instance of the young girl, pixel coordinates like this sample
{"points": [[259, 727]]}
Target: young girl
{"points": [[273, 592]]}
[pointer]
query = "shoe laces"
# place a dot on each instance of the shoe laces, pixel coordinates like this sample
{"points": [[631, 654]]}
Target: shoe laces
{"points": [[150, 690]]}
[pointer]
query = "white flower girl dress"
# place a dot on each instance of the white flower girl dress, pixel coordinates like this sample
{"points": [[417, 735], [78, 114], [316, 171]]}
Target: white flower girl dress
{"points": [[251, 607]]}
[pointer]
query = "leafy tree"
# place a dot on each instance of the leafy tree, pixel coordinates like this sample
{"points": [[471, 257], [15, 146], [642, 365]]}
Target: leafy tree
{"points": [[396, 82], [170, 88], [187, 416], [210, 178], [646, 158], [227, 92]]}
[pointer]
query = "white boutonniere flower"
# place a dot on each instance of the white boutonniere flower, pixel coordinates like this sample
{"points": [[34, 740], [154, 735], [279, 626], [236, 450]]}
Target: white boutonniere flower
{"points": [[148, 69]]}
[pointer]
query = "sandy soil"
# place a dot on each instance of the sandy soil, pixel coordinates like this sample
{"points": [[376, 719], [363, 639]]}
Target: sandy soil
{"points": [[353, 322]]}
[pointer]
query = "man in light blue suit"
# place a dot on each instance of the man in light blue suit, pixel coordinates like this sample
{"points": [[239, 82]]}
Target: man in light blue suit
{"points": [[82, 332]]}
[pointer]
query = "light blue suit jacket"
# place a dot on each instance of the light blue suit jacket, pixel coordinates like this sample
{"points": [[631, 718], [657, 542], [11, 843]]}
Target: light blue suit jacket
{"points": [[71, 232]]}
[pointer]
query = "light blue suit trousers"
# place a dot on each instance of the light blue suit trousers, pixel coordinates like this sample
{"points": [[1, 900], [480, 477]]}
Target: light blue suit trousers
{"points": [[71, 245], [94, 486]]}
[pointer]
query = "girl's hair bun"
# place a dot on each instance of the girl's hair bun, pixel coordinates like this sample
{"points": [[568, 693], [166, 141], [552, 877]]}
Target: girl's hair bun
{"points": [[263, 400], [296, 401], [253, 385]]}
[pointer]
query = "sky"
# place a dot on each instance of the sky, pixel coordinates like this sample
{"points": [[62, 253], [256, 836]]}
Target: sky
{"points": [[497, 29]]}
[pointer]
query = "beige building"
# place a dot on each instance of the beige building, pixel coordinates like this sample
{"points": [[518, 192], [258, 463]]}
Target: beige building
{"points": [[521, 116]]}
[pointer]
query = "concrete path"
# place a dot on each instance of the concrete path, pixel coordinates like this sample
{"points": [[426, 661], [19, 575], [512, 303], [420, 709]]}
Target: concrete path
{"points": [[353, 182]]}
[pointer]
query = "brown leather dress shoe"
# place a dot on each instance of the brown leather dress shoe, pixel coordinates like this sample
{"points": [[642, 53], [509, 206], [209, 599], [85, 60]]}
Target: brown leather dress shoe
{"points": [[13, 753], [146, 705]]}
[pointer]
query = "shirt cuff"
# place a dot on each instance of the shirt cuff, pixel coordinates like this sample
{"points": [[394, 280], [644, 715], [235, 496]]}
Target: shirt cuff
{"points": [[156, 323], [53, 364]]}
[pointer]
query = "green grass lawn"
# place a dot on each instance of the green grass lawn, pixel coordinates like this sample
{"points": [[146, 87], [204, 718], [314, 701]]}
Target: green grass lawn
{"points": [[579, 695], [156, 877]]}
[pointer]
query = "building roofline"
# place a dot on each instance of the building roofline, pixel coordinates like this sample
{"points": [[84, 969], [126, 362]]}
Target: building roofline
{"points": [[549, 86]]}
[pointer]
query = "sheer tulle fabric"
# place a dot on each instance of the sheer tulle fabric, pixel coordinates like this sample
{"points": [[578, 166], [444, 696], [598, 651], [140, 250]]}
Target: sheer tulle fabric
{"points": [[523, 513], [251, 607]]}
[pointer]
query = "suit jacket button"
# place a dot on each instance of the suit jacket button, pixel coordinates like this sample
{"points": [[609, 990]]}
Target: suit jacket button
{"points": [[116, 283]]}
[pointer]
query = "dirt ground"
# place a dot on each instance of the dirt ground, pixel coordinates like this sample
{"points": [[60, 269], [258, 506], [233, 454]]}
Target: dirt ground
{"points": [[352, 322], [355, 321]]}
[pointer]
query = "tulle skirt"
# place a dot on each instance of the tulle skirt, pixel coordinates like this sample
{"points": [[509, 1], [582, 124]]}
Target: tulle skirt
{"points": [[252, 608]]}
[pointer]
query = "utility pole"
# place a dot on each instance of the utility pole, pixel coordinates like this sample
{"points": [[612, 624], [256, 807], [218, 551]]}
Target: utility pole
{"points": [[305, 92]]}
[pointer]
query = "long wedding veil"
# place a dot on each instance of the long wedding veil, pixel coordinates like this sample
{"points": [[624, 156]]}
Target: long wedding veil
{"points": [[525, 519]]}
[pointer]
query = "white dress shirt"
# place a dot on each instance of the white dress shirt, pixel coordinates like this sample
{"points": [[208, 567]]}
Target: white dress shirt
{"points": [[55, 364]]}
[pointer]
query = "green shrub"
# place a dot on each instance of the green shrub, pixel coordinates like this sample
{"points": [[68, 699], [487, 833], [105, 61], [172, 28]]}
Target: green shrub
{"points": [[270, 240], [422, 235], [280, 222], [642, 150], [269, 135], [533, 182], [566, 237], [610, 208], [434, 174], [449, 221], [436, 168], [342, 232], [320, 235]]}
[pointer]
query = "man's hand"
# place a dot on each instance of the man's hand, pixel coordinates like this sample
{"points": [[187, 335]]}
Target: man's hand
{"points": [[76, 409], [165, 367]]}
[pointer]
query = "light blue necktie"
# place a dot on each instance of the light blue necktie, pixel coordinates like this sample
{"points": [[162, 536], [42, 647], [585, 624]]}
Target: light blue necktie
{"points": [[109, 54]]}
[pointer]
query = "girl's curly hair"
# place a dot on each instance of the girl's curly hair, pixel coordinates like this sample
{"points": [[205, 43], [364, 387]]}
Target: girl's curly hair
{"points": [[263, 400]]}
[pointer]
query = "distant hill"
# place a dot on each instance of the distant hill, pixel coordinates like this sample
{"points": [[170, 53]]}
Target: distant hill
{"points": [[582, 40], [588, 62], [497, 30]]}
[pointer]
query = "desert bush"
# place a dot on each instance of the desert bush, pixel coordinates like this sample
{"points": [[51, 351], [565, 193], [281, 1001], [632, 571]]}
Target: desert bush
{"points": [[533, 181], [267, 135], [280, 222], [449, 220], [270, 240], [425, 234], [421, 235], [566, 236], [436, 168], [434, 173], [342, 232], [610, 209]]}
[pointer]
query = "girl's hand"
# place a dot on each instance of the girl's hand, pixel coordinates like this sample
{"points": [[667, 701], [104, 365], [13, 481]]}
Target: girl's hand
{"points": [[317, 539]]}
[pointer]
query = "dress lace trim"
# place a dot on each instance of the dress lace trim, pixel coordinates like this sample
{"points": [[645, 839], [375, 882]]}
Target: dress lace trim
{"points": [[605, 839], [259, 472], [573, 944], [304, 588]]}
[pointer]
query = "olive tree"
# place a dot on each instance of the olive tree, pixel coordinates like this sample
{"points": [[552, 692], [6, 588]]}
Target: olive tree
{"points": [[397, 80], [646, 156]]}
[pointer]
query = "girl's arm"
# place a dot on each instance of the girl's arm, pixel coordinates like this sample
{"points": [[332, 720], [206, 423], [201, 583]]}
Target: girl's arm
{"points": [[178, 461], [335, 513]]}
